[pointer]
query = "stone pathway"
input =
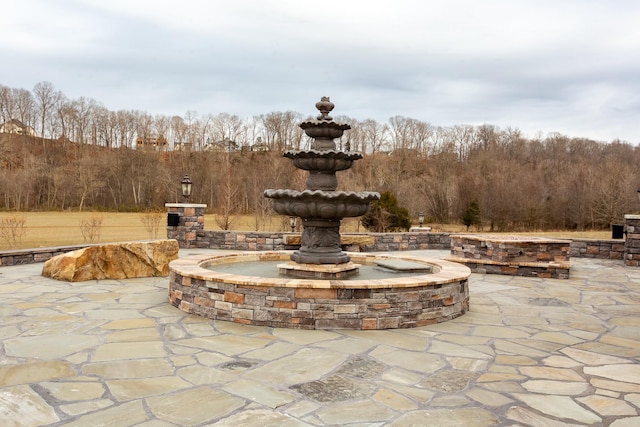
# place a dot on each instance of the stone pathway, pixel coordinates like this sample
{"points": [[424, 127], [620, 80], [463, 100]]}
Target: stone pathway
{"points": [[530, 352]]}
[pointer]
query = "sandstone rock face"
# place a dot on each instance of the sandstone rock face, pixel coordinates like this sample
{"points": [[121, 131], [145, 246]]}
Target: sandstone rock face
{"points": [[114, 261]]}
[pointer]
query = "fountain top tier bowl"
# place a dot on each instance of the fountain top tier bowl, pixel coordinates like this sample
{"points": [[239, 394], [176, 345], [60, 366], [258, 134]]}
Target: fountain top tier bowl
{"points": [[323, 129]]}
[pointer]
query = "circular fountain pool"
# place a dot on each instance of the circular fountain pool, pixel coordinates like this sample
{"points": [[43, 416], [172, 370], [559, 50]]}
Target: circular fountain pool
{"points": [[200, 285]]}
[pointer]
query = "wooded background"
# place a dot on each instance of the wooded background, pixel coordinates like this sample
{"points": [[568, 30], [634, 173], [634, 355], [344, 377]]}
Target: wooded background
{"points": [[87, 157]]}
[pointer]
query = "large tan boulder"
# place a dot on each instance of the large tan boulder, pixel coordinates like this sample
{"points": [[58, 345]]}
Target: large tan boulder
{"points": [[113, 261]]}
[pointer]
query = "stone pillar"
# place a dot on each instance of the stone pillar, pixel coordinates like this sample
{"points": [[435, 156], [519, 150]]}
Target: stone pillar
{"points": [[190, 220], [632, 244]]}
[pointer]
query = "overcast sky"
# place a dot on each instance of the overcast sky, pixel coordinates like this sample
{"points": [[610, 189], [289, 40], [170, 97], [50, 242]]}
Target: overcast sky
{"points": [[567, 66]]}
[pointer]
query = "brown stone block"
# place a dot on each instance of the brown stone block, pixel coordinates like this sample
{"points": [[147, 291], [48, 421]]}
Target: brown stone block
{"points": [[233, 297], [593, 250], [370, 323], [310, 293], [448, 300], [243, 321], [380, 306], [284, 304], [185, 306], [203, 301], [544, 256]]}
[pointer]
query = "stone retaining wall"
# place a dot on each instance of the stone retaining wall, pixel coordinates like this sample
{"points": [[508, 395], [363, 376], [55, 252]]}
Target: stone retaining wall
{"points": [[514, 255], [31, 256], [361, 242], [207, 239], [592, 248]]}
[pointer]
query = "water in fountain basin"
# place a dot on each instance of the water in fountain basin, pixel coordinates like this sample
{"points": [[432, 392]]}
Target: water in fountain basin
{"points": [[270, 270]]}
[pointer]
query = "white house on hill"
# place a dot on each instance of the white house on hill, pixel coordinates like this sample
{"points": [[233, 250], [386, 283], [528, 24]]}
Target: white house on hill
{"points": [[16, 127]]}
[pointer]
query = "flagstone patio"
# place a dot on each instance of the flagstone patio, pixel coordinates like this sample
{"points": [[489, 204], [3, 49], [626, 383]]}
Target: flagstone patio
{"points": [[530, 351]]}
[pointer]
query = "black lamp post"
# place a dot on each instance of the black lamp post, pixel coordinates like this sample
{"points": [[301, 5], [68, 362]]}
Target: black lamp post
{"points": [[186, 188], [421, 218], [292, 223]]}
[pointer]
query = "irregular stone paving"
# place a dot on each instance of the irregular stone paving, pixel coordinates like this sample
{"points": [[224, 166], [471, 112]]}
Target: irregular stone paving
{"points": [[530, 352]]}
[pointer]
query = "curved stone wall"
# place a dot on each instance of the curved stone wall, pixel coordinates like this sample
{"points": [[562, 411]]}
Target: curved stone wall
{"points": [[402, 302]]}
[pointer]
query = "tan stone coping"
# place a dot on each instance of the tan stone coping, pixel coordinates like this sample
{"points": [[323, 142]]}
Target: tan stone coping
{"points": [[345, 239], [509, 238], [550, 264], [194, 266], [184, 205]]}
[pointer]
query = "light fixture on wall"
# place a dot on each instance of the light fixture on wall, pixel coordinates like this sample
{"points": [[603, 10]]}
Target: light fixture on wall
{"points": [[186, 188], [421, 218], [292, 223]]}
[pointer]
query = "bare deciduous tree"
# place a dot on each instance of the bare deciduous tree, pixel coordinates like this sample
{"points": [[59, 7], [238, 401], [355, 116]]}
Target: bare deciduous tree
{"points": [[46, 97], [152, 221], [12, 230]]}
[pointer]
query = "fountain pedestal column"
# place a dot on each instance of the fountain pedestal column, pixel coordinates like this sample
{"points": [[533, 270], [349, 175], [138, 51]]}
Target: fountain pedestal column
{"points": [[320, 243]]}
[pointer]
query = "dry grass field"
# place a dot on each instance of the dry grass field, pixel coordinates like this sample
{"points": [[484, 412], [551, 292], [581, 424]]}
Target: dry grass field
{"points": [[44, 229]]}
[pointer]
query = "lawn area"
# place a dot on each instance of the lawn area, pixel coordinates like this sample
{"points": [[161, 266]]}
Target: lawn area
{"points": [[44, 229]]}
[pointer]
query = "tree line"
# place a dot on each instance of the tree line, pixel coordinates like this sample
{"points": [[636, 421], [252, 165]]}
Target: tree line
{"points": [[87, 157]]}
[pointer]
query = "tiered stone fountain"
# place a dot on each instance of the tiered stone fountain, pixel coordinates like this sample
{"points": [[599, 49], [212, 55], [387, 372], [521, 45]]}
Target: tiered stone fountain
{"points": [[320, 206], [312, 287]]}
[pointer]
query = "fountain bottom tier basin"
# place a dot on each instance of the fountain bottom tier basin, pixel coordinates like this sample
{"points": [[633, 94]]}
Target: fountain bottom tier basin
{"points": [[384, 299]]}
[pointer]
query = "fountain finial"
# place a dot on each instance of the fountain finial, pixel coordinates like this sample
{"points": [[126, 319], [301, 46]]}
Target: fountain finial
{"points": [[325, 106]]}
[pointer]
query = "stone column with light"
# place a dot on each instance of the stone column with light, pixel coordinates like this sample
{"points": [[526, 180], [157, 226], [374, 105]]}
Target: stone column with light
{"points": [[632, 244], [185, 220]]}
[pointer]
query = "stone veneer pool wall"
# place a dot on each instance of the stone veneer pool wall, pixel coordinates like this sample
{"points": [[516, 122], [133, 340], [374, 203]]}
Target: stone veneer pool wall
{"points": [[402, 302], [512, 255]]}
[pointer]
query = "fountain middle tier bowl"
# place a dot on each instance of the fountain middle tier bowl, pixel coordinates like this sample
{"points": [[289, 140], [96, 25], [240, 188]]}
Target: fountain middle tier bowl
{"points": [[324, 129], [320, 204], [317, 160]]}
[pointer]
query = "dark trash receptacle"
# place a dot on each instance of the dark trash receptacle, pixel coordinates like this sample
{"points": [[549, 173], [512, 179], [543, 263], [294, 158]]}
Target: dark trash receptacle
{"points": [[617, 231], [173, 219]]}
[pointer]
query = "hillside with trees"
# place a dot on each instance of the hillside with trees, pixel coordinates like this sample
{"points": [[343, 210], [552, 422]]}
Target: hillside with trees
{"points": [[79, 155]]}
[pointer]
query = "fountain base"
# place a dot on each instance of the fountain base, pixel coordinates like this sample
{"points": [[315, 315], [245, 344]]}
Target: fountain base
{"points": [[405, 301], [319, 271]]}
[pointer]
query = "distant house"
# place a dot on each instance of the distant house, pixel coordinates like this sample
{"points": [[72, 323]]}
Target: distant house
{"points": [[261, 147], [16, 127], [152, 142], [182, 146]]}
